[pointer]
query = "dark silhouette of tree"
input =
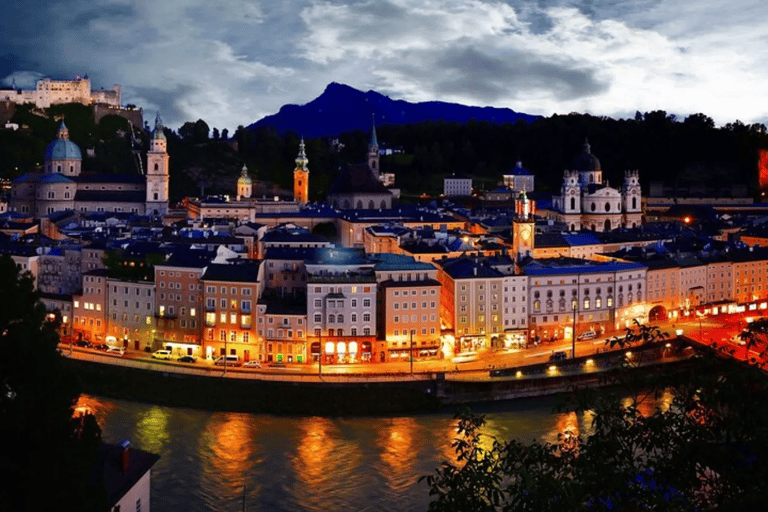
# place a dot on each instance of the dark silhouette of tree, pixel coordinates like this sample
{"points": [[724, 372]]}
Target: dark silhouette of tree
{"points": [[703, 447], [215, 135], [46, 455]]}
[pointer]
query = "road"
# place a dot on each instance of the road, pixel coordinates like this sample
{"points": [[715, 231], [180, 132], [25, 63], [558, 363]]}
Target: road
{"points": [[710, 330]]}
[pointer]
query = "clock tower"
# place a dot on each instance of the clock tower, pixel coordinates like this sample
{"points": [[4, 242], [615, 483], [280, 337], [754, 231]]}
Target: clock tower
{"points": [[157, 172], [523, 228]]}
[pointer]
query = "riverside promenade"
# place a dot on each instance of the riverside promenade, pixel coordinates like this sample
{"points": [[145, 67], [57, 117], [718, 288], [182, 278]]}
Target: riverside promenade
{"points": [[293, 392]]}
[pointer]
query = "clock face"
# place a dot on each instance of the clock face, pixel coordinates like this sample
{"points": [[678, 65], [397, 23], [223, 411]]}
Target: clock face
{"points": [[525, 234]]}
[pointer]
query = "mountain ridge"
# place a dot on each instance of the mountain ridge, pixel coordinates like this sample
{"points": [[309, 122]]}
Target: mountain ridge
{"points": [[341, 108]]}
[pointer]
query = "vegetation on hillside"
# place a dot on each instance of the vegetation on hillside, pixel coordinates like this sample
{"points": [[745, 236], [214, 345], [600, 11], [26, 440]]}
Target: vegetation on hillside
{"points": [[205, 160]]}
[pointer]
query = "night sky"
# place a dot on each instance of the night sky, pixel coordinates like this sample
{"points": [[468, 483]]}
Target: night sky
{"points": [[232, 62]]}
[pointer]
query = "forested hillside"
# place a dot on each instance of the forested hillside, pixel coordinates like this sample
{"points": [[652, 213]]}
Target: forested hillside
{"points": [[205, 160]]}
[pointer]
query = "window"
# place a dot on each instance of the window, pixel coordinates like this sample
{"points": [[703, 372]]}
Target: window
{"points": [[318, 318], [366, 317], [366, 303]]}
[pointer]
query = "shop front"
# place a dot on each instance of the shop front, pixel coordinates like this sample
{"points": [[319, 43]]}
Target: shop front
{"points": [[342, 351]]}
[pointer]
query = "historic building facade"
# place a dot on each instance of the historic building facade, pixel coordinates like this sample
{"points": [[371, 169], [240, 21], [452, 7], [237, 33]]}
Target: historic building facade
{"points": [[586, 202], [61, 186]]}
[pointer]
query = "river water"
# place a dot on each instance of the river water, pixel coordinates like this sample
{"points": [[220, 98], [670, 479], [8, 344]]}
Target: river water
{"points": [[220, 460]]}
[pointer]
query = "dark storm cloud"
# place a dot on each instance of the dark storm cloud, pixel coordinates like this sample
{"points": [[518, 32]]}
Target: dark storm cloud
{"points": [[491, 78]]}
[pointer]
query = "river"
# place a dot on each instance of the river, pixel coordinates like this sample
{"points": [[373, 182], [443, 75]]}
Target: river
{"points": [[304, 463]]}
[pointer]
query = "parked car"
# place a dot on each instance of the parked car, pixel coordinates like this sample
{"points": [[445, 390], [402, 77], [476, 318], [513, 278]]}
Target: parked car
{"points": [[186, 359], [116, 351], [83, 343], [587, 335], [102, 346], [228, 361], [558, 356], [252, 364], [162, 354]]}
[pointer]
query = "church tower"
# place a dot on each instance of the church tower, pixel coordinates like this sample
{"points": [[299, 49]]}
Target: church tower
{"points": [[373, 151], [157, 172], [301, 176], [244, 185], [523, 228]]}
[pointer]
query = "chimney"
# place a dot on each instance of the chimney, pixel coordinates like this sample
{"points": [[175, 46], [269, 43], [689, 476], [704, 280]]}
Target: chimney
{"points": [[125, 454]]}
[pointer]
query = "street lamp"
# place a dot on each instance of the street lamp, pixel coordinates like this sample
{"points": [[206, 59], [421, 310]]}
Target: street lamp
{"points": [[320, 355], [225, 354], [412, 331], [573, 335]]}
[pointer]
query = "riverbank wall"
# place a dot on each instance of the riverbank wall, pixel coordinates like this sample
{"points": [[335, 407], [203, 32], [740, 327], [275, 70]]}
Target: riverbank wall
{"points": [[420, 393]]}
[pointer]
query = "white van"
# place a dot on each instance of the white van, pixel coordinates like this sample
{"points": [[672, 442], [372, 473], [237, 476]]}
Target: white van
{"points": [[162, 354], [228, 360]]}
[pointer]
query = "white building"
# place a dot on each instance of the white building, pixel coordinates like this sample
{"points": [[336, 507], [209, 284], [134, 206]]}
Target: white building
{"points": [[586, 202], [457, 186], [49, 92]]}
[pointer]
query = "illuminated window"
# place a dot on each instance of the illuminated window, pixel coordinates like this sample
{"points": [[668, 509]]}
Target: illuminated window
{"points": [[586, 303]]}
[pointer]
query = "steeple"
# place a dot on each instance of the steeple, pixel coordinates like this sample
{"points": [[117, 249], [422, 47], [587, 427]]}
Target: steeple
{"points": [[244, 184], [374, 142], [301, 160], [157, 133], [63, 131], [373, 150], [301, 176]]}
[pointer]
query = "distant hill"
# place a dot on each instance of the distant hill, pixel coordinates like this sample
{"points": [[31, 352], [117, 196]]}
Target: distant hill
{"points": [[342, 109]]}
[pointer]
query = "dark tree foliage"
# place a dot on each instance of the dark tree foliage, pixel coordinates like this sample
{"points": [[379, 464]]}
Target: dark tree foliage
{"points": [[46, 455], [706, 450]]}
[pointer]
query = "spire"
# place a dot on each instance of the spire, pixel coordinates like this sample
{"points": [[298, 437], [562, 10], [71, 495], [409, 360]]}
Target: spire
{"points": [[301, 160], [63, 131], [157, 133], [586, 145], [374, 142], [244, 172]]}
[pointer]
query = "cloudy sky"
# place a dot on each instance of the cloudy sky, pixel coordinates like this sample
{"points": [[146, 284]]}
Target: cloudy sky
{"points": [[232, 62]]}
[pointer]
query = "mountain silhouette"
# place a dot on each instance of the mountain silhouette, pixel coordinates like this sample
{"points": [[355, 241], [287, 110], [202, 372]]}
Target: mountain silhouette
{"points": [[341, 108]]}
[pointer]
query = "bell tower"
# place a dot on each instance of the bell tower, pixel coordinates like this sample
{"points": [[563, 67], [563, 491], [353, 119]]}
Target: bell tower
{"points": [[523, 228], [157, 172], [373, 151], [301, 176]]}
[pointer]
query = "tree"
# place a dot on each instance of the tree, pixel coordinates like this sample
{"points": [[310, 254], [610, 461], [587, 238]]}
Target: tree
{"points": [[215, 133], [46, 455], [706, 450], [224, 134]]}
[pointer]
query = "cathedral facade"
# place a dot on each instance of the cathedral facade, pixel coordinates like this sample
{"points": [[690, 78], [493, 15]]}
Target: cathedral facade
{"points": [[61, 186], [586, 202]]}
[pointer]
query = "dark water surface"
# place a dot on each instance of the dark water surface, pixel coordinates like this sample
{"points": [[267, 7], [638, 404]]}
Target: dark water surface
{"points": [[304, 463]]}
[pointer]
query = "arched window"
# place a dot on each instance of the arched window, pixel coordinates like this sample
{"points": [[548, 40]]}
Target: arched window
{"points": [[549, 304], [331, 319], [157, 167], [340, 319], [359, 204], [573, 227], [370, 205], [593, 207], [549, 294], [573, 203], [634, 206], [58, 168], [536, 294], [383, 205], [607, 207], [536, 305], [607, 225]]}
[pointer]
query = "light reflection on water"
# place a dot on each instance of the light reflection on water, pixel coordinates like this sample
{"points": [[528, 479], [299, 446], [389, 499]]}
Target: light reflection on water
{"points": [[212, 460]]}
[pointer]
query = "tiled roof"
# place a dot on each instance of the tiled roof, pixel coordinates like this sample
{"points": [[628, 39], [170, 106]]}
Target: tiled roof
{"points": [[559, 266], [357, 179]]}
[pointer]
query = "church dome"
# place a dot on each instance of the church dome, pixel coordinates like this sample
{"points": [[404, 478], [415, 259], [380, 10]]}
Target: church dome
{"points": [[244, 179], [62, 148], [586, 161]]}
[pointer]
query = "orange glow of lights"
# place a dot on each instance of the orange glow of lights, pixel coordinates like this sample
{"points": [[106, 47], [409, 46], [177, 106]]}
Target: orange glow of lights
{"points": [[232, 447], [687, 220], [397, 443]]}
